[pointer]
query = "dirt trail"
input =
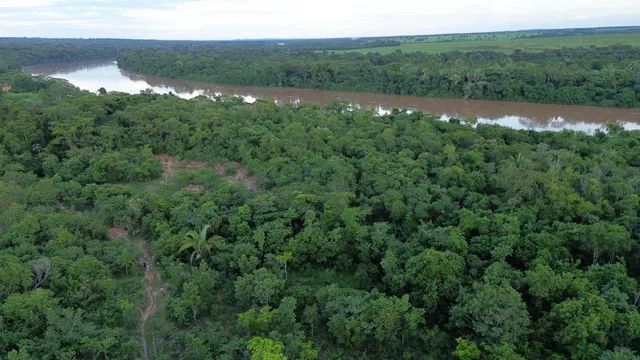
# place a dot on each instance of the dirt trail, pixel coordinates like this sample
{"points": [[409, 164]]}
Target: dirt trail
{"points": [[152, 292], [169, 163]]}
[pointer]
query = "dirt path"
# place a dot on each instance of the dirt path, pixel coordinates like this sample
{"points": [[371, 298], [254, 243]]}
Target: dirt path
{"points": [[152, 292], [169, 163]]}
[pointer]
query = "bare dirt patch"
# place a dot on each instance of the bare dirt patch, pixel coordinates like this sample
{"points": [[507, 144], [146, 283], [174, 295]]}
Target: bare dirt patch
{"points": [[237, 174], [195, 187], [169, 164], [195, 164], [117, 232]]}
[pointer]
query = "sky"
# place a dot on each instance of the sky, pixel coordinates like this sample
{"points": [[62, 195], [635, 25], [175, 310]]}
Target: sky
{"points": [[259, 19]]}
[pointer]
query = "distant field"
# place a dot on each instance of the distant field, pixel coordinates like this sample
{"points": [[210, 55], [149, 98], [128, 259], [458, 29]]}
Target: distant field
{"points": [[507, 45]]}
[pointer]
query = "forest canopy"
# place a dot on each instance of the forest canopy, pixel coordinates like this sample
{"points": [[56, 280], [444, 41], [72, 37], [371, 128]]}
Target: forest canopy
{"points": [[309, 232], [608, 76]]}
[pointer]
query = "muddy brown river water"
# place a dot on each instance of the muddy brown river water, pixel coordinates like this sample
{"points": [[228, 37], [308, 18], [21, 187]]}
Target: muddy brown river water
{"points": [[94, 75]]}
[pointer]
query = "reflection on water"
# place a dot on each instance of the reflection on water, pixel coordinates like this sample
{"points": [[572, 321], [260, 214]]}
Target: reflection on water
{"points": [[554, 124], [94, 75]]}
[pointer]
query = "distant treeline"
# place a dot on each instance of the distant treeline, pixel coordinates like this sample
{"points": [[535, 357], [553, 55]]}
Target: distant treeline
{"points": [[518, 34], [14, 56], [18, 52], [28, 51], [588, 76]]}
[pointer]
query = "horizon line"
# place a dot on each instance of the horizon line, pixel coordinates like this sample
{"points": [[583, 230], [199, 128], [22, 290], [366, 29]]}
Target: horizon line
{"points": [[636, 27]]}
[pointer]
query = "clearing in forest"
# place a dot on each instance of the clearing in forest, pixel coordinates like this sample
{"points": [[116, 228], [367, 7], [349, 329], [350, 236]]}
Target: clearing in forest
{"points": [[232, 171], [117, 232], [152, 284]]}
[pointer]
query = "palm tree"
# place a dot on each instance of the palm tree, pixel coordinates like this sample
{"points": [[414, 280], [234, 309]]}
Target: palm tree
{"points": [[199, 243]]}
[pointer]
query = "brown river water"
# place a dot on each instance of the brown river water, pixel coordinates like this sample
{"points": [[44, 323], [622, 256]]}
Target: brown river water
{"points": [[94, 75]]}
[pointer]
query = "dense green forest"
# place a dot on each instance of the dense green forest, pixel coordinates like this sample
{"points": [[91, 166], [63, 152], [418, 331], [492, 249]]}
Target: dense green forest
{"points": [[312, 233], [12, 56], [15, 52], [607, 76]]}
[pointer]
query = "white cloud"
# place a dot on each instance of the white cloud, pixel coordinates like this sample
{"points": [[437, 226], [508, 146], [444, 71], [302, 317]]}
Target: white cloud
{"points": [[334, 18], [19, 4], [229, 19]]}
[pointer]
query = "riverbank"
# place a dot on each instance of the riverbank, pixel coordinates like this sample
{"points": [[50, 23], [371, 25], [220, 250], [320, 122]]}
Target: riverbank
{"points": [[94, 75]]}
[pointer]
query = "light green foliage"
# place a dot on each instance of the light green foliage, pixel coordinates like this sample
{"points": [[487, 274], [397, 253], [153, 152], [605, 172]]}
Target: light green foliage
{"points": [[265, 349], [466, 350], [308, 351], [257, 321]]}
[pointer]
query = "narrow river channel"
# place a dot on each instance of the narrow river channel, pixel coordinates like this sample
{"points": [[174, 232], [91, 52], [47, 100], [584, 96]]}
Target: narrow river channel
{"points": [[94, 75]]}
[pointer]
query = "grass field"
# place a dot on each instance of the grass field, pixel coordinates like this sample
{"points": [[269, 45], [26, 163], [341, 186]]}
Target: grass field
{"points": [[507, 45]]}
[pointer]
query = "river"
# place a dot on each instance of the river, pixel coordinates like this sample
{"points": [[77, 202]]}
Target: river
{"points": [[94, 75]]}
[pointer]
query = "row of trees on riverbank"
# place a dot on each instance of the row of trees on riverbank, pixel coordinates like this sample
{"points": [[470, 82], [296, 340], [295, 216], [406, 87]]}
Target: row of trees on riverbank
{"points": [[587, 76]]}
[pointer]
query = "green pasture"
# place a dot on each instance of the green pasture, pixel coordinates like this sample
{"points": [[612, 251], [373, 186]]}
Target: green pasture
{"points": [[508, 45]]}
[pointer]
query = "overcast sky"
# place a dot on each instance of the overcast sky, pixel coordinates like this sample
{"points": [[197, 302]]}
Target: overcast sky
{"points": [[251, 19]]}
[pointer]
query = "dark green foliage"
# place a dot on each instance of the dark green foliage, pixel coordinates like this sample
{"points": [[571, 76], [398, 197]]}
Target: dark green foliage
{"points": [[369, 236], [588, 76]]}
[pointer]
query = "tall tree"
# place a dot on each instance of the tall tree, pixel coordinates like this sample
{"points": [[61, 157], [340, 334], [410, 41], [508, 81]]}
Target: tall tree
{"points": [[200, 243]]}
